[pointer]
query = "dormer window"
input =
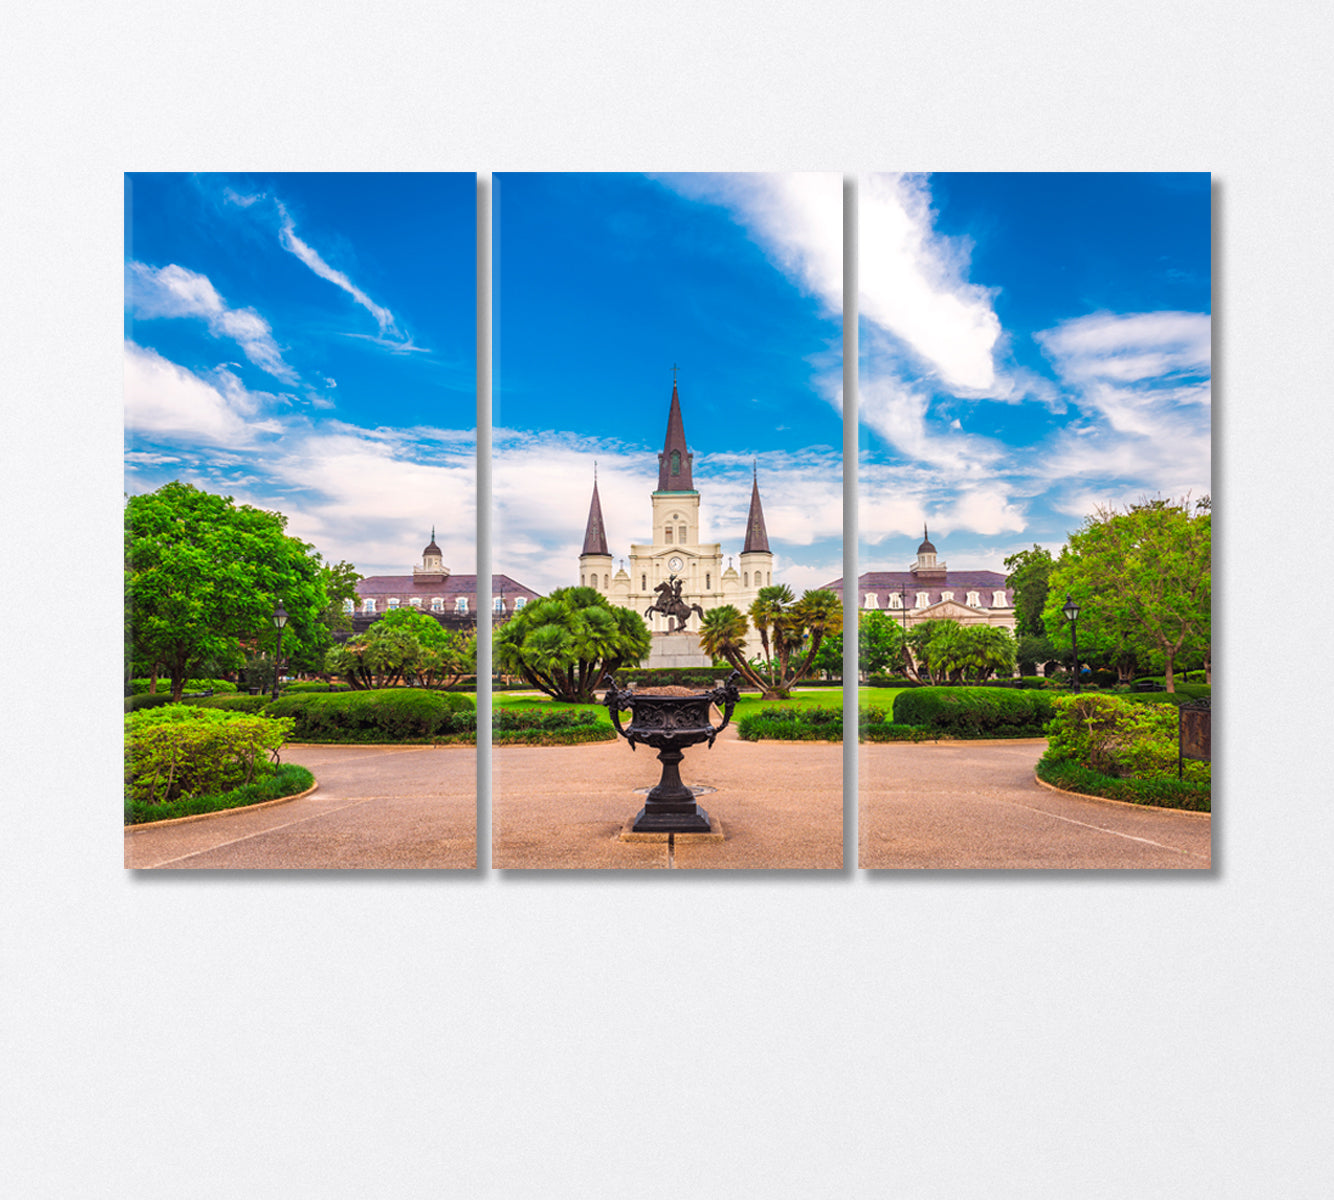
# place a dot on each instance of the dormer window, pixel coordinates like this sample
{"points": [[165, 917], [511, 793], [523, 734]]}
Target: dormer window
{"points": [[368, 606], [393, 603], [871, 601], [923, 599], [946, 596], [998, 600], [461, 604], [349, 606], [437, 604], [895, 600], [519, 602], [974, 600], [416, 602], [497, 604]]}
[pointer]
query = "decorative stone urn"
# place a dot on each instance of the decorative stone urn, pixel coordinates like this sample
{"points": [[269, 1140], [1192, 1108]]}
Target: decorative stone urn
{"points": [[669, 724]]}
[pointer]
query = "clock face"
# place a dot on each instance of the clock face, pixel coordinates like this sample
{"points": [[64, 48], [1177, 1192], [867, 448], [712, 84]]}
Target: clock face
{"points": [[675, 564]]}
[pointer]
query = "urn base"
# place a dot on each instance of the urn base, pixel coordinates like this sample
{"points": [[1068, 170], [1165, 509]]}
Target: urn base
{"points": [[654, 820]]}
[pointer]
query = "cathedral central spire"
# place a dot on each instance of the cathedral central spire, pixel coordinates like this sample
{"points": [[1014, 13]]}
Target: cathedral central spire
{"points": [[674, 461]]}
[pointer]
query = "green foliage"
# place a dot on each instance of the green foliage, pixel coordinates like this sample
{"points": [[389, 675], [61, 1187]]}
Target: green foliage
{"points": [[404, 646], [388, 715], [203, 575], [244, 704], [948, 652], [312, 685], [975, 711], [286, 780], [1165, 791], [560, 727], [1142, 579], [789, 724], [880, 642], [703, 678], [1029, 578], [565, 643], [141, 686], [183, 750], [1119, 738], [887, 731]]}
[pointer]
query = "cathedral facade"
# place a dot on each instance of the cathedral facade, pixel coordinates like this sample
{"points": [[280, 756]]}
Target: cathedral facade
{"points": [[676, 564]]}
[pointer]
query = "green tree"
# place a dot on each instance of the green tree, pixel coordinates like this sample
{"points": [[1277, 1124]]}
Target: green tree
{"points": [[1143, 580], [949, 652], [880, 642], [1029, 576], [340, 586], [202, 578], [565, 643], [404, 646]]}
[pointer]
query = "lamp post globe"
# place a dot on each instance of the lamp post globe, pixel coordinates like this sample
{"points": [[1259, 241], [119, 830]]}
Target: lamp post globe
{"points": [[279, 619], [1071, 611]]}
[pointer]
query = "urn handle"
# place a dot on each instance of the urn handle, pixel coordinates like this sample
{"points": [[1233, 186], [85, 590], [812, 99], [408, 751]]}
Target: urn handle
{"points": [[616, 699], [727, 696]]}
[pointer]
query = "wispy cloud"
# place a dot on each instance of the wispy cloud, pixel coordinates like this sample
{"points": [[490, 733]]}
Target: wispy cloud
{"points": [[1129, 347], [176, 291]]}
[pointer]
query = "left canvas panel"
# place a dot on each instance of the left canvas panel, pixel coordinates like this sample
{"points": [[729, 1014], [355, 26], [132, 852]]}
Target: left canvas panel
{"points": [[300, 521]]}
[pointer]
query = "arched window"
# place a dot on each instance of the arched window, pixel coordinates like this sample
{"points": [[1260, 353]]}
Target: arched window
{"points": [[708, 581], [923, 599], [770, 576], [998, 600], [676, 462], [368, 606], [393, 603], [498, 604], [349, 606], [871, 601], [437, 604], [895, 600], [681, 532], [606, 582], [974, 600], [461, 604], [416, 602], [643, 583], [745, 579], [667, 534], [947, 595], [520, 602]]}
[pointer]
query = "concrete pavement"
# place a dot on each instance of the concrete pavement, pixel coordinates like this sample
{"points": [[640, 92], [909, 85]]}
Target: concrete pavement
{"points": [[978, 805], [376, 807], [780, 805]]}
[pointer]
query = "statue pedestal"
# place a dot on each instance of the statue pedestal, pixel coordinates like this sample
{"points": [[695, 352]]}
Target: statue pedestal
{"points": [[676, 650]]}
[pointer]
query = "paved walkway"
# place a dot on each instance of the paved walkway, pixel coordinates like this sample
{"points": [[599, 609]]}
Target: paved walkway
{"points": [[977, 804], [376, 807], [780, 805]]}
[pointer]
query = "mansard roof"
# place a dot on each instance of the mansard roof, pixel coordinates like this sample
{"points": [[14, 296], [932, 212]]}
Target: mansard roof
{"points": [[676, 442], [595, 535], [757, 538], [885, 583]]}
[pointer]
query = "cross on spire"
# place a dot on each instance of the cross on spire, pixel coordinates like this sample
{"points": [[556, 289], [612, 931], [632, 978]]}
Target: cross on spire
{"points": [[675, 368]]}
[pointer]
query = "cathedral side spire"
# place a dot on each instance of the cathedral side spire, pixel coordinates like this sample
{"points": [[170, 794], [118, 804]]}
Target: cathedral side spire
{"points": [[757, 537], [595, 535], [674, 461]]}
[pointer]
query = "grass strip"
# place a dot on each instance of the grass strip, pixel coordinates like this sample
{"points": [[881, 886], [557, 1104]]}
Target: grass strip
{"points": [[1161, 792]]}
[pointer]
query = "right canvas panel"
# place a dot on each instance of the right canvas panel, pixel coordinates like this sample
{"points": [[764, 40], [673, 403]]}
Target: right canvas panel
{"points": [[1034, 520]]}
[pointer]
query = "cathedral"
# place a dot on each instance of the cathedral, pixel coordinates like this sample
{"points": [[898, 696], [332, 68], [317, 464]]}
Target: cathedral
{"points": [[676, 564]]}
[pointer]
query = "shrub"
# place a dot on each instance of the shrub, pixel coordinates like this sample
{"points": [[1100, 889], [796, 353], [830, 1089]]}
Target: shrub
{"points": [[146, 700], [975, 711], [286, 780], [805, 724], [381, 715], [703, 678], [183, 750], [237, 703], [891, 681], [887, 731], [1119, 738], [302, 687]]}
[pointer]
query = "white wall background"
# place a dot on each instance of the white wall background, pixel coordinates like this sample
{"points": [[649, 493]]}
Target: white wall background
{"points": [[926, 1035]]}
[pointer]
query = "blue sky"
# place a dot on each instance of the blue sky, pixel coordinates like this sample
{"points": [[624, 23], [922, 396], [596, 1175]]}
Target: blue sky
{"points": [[602, 282], [1031, 346], [306, 343]]}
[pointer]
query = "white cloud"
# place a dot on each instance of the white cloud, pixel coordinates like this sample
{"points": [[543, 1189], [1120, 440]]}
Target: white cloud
{"points": [[165, 401], [1129, 347], [310, 256], [796, 217], [176, 291], [911, 284], [898, 413]]}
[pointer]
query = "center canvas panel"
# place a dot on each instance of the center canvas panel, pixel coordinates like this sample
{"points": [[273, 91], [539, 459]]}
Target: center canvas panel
{"points": [[667, 486]]}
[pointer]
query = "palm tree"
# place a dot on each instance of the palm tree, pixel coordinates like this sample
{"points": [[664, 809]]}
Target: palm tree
{"points": [[767, 611], [723, 635]]}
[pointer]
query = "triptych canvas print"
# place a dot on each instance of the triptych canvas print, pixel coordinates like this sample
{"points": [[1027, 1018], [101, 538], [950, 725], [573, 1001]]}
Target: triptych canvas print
{"points": [[656, 633]]}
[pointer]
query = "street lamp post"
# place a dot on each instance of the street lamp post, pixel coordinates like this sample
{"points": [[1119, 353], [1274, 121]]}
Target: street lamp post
{"points": [[279, 620], [1071, 611], [903, 608]]}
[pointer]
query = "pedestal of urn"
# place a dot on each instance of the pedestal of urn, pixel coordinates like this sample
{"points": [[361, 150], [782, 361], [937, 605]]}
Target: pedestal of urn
{"points": [[669, 724]]}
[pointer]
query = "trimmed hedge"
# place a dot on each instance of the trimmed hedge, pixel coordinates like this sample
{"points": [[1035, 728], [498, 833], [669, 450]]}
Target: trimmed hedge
{"points": [[703, 678], [379, 715], [972, 712], [805, 724], [887, 731], [286, 780], [891, 681], [303, 686], [560, 727], [245, 704]]}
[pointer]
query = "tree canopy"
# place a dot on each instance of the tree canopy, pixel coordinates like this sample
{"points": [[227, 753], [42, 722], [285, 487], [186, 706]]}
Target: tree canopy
{"points": [[791, 633], [566, 642], [1142, 577], [404, 646], [948, 652], [203, 576], [1029, 575]]}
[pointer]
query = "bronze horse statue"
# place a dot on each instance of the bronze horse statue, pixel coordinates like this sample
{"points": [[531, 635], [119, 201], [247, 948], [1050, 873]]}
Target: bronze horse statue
{"points": [[670, 604]]}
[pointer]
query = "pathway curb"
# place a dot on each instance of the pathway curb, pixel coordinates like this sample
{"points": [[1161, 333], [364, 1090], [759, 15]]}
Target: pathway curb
{"points": [[1051, 787]]}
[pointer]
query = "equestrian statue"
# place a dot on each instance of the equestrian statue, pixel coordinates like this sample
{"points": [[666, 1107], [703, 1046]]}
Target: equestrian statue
{"points": [[670, 604]]}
